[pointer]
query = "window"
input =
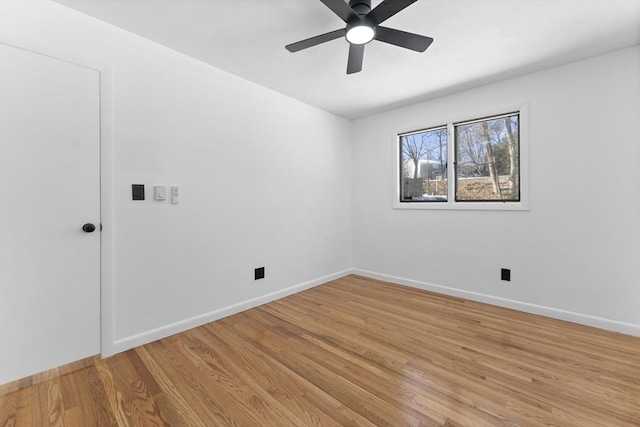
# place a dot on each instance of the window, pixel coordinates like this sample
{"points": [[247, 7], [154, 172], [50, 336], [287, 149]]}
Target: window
{"points": [[487, 160], [482, 169], [424, 165]]}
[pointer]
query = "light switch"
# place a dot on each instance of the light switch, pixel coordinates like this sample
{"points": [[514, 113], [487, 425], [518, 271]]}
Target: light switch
{"points": [[175, 195], [160, 192]]}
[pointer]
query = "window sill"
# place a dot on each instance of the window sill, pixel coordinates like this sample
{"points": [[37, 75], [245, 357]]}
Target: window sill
{"points": [[464, 206]]}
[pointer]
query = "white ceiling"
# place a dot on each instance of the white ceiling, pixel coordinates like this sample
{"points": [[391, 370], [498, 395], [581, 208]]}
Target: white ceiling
{"points": [[476, 42]]}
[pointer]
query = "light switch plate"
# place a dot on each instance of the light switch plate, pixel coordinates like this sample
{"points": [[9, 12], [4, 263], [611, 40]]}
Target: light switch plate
{"points": [[175, 194], [160, 192]]}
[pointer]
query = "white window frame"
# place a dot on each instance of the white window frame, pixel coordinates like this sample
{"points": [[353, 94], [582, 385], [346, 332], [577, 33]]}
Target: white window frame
{"points": [[451, 203]]}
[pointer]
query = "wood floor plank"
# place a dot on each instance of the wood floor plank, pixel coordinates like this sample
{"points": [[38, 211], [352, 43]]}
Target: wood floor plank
{"points": [[178, 410], [9, 404], [186, 382], [367, 403], [94, 405], [495, 354], [352, 352], [264, 376], [297, 389], [255, 402], [390, 353]]}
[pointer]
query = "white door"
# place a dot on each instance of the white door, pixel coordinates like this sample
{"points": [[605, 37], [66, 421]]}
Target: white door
{"points": [[49, 188]]}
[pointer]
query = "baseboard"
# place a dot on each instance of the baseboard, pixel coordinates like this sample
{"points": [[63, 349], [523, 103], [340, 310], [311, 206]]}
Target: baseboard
{"points": [[583, 319], [183, 325]]}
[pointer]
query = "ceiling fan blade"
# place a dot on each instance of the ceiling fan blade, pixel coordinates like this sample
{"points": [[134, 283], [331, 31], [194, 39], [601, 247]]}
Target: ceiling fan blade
{"points": [[387, 9], [303, 44], [403, 39], [342, 9], [356, 55]]}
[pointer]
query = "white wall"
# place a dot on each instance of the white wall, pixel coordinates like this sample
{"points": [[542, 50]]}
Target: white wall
{"points": [[264, 179], [576, 253]]}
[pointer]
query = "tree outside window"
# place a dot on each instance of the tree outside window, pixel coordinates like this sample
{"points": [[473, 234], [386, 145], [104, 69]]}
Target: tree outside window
{"points": [[487, 159], [424, 165]]}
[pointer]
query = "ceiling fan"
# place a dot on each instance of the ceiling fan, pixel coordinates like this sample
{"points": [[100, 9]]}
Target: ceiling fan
{"points": [[363, 26]]}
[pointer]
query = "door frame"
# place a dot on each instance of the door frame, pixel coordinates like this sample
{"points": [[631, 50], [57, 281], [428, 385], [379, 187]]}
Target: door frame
{"points": [[107, 255]]}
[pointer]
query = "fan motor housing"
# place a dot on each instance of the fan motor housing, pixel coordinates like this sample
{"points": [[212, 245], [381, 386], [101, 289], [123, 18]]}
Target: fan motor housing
{"points": [[360, 7]]}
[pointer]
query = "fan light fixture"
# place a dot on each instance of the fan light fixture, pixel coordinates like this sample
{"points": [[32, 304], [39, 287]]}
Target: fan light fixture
{"points": [[362, 34]]}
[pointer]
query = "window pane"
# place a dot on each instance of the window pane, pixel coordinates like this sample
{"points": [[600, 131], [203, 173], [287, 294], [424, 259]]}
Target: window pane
{"points": [[423, 166], [488, 160]]}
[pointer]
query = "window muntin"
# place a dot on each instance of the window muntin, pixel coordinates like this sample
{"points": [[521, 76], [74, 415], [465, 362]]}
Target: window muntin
{"points": [[487, 159], [423, 166]]}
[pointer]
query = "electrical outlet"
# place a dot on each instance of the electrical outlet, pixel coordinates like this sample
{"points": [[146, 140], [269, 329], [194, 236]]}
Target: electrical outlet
{"points": [[505, 274], [259, 273]]}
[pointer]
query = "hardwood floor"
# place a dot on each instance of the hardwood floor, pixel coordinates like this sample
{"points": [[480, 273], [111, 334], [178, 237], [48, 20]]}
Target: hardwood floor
{"points": [[354, 352]]}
